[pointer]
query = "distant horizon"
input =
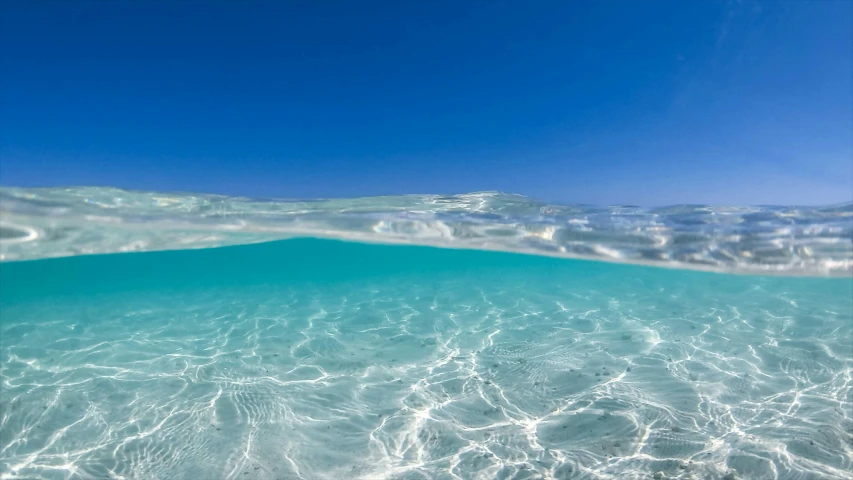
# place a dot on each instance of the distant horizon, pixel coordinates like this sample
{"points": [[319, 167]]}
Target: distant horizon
{"points": [[500, 192], [663, 103]]}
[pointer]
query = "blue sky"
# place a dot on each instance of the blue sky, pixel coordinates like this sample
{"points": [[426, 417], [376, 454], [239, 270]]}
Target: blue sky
{"points": [[648, 103]]}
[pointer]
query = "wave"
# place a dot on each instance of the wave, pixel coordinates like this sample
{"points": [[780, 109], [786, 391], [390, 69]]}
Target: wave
{"points": [[40, 223]]}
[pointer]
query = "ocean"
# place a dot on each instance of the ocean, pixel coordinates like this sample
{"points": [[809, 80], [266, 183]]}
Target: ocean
{"points": [[158, 336]]}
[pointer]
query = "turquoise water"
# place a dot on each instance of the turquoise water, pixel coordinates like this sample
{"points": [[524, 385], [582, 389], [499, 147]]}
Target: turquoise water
{"points": [[332, 339], [324, 359]]}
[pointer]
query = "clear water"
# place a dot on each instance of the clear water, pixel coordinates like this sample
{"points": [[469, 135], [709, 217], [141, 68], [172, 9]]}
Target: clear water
{"points": [[325, 359]]}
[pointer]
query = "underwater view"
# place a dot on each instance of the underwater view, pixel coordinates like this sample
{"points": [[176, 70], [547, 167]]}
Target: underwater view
{"points": [[472, 336]]}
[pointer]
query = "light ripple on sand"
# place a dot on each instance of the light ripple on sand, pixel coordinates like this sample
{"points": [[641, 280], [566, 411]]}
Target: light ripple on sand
{"points": [[461, 377]]}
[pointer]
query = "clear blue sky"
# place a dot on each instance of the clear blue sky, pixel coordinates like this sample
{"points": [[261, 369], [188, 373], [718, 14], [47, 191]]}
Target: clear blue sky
{"points": [[640, 102]]}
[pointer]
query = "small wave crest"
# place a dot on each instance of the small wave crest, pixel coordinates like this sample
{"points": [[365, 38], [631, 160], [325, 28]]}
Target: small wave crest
{"points": [[55, 222]]}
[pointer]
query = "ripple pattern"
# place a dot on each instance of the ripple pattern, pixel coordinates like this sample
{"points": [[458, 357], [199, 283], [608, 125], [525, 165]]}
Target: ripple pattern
{"points": [[640, 373], [786, 240]]}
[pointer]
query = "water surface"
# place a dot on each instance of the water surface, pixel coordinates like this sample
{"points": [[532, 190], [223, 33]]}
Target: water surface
{"points": [[326, 359]]}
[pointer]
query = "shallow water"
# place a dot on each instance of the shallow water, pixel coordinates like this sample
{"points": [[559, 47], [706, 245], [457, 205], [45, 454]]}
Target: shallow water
{"points": [[322, 359], [779, 240]]}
